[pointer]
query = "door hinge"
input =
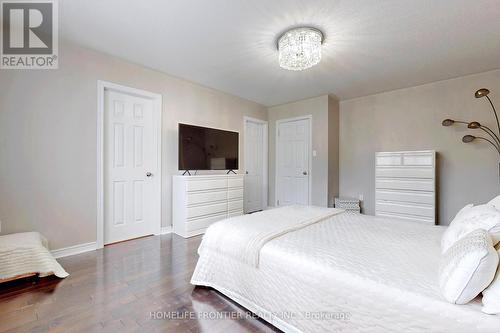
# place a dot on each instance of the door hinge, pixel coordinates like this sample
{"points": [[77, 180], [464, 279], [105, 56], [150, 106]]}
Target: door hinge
{"points": [[278, 202]]}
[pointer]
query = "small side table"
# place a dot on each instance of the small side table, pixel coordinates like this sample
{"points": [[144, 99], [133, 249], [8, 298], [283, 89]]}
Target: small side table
{"points": [[351, 205]]}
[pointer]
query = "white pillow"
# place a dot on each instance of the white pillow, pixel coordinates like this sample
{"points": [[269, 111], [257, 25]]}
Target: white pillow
{"points": [[495, 202], [491, 295], [468, 267], [471, 218]]}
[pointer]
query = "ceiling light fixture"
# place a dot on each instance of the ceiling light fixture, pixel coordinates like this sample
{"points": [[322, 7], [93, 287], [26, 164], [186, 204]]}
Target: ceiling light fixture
{"points": [[300, 48]]}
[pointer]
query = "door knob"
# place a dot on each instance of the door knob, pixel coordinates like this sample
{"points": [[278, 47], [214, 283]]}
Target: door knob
{"points": [[246, 172], [149, 174], [304, 173]]}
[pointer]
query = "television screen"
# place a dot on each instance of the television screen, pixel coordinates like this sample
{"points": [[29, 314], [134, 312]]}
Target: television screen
{"points": [[202, 148]]}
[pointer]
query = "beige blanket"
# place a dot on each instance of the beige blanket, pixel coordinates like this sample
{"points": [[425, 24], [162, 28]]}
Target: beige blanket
{"points": [[26, 253]]}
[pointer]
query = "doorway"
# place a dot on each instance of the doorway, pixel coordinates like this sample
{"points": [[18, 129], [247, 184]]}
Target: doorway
{"points": [[293, 161], [255, 137], [129, 163]]}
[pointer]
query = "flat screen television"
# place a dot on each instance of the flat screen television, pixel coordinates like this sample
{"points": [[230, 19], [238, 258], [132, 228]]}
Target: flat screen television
{"points": [[202, 148]]}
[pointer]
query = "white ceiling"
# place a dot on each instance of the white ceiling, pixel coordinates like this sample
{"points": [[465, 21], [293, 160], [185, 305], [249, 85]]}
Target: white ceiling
{"points": [[230, 45]]}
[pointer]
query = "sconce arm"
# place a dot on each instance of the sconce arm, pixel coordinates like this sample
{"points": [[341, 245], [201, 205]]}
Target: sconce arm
{"points": [[494, 111], [491, 142]]}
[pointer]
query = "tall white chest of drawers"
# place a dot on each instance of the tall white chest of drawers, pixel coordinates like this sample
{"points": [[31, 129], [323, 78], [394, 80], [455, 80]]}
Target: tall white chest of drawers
{"points": [[405, 185], [199, 201]]}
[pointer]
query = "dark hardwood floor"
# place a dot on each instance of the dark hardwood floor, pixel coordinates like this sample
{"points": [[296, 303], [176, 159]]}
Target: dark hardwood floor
{"points": [[137, 286]]}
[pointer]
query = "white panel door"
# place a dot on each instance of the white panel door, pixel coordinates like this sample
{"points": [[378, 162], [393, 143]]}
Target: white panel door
{"points": [[130, 165], [254, 166], [292, 170]]}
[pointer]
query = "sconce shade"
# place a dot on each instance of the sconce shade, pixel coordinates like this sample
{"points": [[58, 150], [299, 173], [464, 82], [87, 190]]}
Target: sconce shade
{"points": [[481, 93], [474, 125], [448, 122], [468, 138]]}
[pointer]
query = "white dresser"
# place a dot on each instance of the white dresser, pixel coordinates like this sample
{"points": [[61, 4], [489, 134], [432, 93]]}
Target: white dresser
{"points": [[405, 185], [199, 201]]}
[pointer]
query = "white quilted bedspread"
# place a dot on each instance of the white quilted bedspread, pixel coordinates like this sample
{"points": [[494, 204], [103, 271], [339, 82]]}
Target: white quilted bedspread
{"points": [[27, 253], [349, 273], [242, 237]]}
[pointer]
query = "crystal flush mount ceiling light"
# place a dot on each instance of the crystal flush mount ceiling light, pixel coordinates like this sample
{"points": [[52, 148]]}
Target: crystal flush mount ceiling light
{"points": [[300, 48]]}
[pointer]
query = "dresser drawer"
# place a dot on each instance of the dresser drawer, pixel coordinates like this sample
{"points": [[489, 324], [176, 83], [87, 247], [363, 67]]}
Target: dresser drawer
{"points": [[419, 219], [208, 184], [206, 210], [203, 223], [235, 205], [235, 182], [206, 197], [406, 209], [405, 184], [235, 194], [395, 196], [404, 172], [419, 159], [388, 159], [235, 213]]}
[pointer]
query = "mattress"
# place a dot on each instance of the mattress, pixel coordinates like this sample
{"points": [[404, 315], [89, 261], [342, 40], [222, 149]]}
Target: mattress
{"points": [[348, 273]]}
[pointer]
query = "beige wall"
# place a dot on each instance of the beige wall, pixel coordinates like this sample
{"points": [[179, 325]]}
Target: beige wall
{"points": [[333, 149], [48, 139], [410, 119], [318, 108]]}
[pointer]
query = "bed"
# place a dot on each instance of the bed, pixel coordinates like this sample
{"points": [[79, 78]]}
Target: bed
{"points": [[341, 273], [26, 254]]}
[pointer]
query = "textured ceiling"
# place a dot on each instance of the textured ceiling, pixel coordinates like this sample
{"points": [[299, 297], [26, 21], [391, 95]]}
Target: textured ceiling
{"points": [[230, 45]]}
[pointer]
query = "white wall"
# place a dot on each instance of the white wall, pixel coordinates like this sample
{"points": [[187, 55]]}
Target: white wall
{"points": [[410, 119], [48, 138]]}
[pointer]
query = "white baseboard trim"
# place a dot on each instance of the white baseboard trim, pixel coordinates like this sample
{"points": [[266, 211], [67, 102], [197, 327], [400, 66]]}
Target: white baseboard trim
{"points": [[165, 230], [75, 249], [86, 247]]}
